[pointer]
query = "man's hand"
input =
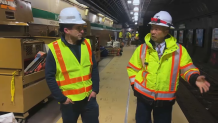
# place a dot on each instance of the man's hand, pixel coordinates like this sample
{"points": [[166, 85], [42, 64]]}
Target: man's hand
{"points": [[93, 94], [202, 84], [68, 101]]}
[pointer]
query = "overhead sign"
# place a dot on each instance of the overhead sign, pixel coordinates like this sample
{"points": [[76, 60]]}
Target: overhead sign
{"points": [[8, 4], [182, 26]]}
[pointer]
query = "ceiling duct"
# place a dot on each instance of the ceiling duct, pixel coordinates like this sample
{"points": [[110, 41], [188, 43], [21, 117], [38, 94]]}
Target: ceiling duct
{"points": [[126, 9], [97, 10]]}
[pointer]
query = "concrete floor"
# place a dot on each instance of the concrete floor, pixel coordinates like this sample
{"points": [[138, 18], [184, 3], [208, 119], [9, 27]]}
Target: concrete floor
{"points": [[50, 112], [116, 101]]}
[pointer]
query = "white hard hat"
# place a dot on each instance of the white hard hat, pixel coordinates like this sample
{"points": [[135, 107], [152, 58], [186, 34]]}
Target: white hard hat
{"points": [[136, 31], [162, 18], [70, 15]]}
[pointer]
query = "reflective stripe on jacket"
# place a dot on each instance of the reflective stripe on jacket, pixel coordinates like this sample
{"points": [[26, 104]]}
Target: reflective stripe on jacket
{"points": [[156, 78], [73, 78]]}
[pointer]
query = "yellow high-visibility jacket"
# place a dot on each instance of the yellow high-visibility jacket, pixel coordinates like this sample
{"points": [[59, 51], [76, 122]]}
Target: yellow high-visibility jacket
{"points": [[136, 36], [73, 78], [120, 34], [128, 35], [157, 79]]}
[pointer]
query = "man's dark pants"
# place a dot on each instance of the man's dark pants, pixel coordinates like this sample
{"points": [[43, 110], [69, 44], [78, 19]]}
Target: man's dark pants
{"points": [[89, 111], [136, 43], [160, 114]]}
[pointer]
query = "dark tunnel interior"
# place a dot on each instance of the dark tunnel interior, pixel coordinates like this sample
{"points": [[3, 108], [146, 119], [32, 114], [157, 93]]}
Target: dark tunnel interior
{"points": [[110, 23]]}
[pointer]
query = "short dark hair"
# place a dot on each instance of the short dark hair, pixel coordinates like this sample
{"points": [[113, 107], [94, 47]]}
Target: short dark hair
{"points": [[62, 26]]}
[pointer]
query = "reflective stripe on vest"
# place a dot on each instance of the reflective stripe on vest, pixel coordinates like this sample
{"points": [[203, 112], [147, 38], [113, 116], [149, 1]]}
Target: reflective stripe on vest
{"points": [[175, 68], [189, 67], [170, 95], [157, 95], [143, 55], [77, 91], [143, 49], [132, 78], [67, 80]]}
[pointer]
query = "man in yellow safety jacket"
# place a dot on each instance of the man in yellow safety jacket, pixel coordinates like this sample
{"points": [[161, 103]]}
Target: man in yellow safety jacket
{"points": [[154, 71], [121, 36], [71, 70], [137, 38], [128, 38]]}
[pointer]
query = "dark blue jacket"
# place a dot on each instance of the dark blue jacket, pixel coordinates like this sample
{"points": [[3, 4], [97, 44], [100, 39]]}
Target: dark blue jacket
{"points": [[50, 71]]}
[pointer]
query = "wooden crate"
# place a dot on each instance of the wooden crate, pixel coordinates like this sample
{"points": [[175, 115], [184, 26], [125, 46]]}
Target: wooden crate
{"points": [[112, 51]]}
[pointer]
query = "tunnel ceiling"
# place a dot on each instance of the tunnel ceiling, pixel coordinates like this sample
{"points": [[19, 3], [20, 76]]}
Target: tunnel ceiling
{"points": [[180, 9], [113, 7]]}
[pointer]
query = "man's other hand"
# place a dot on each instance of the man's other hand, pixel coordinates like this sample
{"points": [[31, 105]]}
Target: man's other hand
{"points": [[93, 94], [68, 101], [202, 84]]}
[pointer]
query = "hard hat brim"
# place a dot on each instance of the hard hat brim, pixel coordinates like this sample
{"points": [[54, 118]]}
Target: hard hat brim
{"points": [[161, 24], [77, 22]]}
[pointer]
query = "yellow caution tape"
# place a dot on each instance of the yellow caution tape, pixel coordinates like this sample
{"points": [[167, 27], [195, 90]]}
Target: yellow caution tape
{"points": [[12, 86]]}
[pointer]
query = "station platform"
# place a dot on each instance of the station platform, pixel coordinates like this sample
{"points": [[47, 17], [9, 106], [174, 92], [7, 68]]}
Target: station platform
{"points": [[117, 103]]}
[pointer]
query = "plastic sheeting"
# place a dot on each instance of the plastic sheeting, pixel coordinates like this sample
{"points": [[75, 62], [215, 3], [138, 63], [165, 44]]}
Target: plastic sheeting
{"points": [[8, 118]]}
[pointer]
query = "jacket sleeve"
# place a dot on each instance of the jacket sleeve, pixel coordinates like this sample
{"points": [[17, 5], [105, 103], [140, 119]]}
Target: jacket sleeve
{"points": [[188, 70], [134, 65], [95, 75]]}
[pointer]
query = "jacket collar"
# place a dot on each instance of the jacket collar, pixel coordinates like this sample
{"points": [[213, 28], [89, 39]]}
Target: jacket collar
{"points": [[79, 42], [170, 42]]}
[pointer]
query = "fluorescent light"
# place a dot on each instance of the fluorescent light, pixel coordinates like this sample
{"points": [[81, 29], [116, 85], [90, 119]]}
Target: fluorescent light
{"points": [[135, 23], [136, 13], [131, 12], [136, 9], [136, 2], [129, 1], [93, 18], [136, 18]]}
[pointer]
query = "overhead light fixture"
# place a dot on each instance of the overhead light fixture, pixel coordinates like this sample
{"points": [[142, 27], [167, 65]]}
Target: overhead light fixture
{"points": [[136, 9], [129, 1], [101, 15], [136, 2], [136, 13], [135, 23], [131, 12], [136, 18], [93, 18]]}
